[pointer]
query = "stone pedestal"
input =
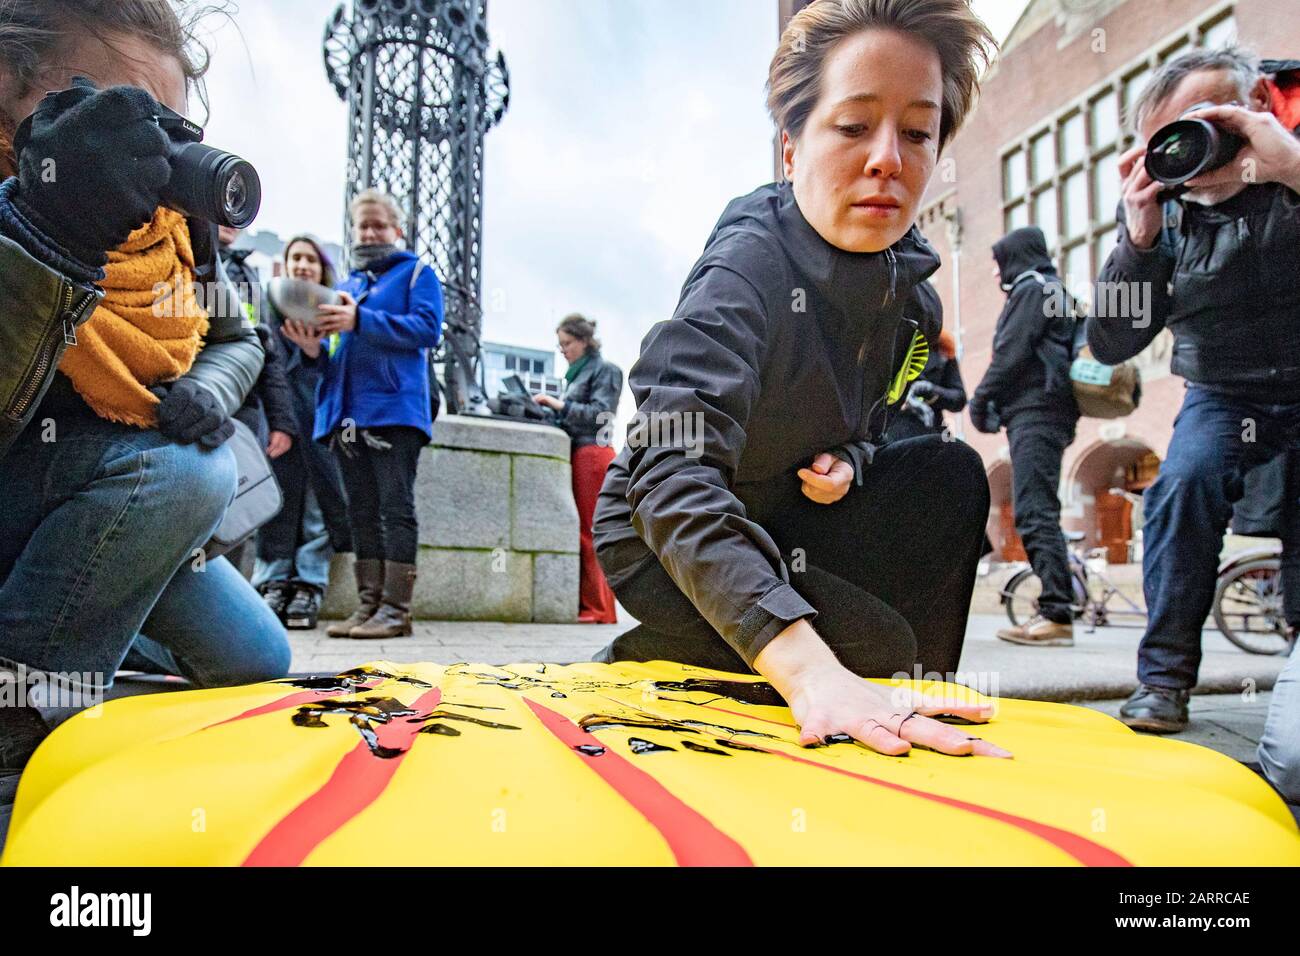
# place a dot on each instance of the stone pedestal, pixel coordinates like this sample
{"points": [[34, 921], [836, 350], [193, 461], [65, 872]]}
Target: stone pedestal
{"points": [[498, 527]]}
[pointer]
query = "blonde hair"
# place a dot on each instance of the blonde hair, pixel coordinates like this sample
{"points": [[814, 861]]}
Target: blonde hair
{"points": [[377, 197], [961, 39]]}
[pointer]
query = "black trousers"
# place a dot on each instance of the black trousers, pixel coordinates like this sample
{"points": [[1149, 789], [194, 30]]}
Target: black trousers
{"points": [[1036, 452], [380, 485], [890, 567]]}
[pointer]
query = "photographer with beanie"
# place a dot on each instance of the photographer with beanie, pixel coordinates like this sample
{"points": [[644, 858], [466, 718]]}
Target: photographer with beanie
{"points": [[374, 407], [118, 376]]}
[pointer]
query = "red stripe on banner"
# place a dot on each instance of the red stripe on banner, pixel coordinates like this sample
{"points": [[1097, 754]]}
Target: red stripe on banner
{"points": [[1081, 848], [693, 840], [284, 703], [356, 783]]}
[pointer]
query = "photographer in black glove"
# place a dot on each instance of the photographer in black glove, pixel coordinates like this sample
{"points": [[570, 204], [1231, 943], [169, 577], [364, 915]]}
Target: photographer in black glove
{"points": [[111, 437]]}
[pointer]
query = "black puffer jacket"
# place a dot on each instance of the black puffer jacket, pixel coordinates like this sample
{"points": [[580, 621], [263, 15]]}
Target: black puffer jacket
{"points": [[1028, 380], [782, 347], [1225, 280], [593, 393]]}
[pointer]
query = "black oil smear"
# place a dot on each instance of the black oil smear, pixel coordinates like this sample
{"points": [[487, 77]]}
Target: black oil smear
{"points": [[444, 715], [594, 722], [590, 750], [760, 694], [349, 681], [737, 745], [639, 746], [362, 714], [440, 729], [558, 694], [701, 749]]}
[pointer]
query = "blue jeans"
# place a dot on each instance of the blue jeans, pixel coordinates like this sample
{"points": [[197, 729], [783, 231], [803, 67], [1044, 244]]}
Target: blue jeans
{"points": [[310, 563], [1216, 439], [98, 542], [1279, 747]]}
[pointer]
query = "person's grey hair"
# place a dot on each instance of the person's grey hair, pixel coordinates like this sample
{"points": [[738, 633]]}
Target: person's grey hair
{"points": [[379, 198], [1237, 60]]}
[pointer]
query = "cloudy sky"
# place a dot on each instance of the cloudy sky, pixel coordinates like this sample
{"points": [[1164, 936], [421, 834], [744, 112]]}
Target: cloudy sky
{"points": [[632, 123]]}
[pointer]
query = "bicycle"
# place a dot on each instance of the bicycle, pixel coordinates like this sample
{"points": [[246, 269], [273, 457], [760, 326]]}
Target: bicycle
{"points": [[1247, 608], [1094, 591]]}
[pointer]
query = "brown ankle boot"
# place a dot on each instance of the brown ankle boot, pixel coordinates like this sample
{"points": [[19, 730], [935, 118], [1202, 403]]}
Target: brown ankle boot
{"points": [[393, 618], [370, 586]]}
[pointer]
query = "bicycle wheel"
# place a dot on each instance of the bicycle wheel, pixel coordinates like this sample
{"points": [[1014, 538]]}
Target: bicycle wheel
{"points": [[1248, 607], [1020, 596]]}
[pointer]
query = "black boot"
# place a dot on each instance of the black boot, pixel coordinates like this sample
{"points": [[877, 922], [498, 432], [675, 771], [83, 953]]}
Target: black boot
{"points": [[276, 594], [393, 618], [1156, 710], [370, 587], [21, 732], [301, 613]]}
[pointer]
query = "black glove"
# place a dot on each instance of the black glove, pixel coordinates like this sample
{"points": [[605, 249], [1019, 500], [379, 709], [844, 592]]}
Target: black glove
{"points": [[923, 390], [985, 419], [92, 166], [191, 413]]}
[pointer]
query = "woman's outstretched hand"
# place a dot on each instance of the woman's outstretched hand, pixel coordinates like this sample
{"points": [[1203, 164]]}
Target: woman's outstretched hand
{"points": [[827, 700], [827, 479], [306, 337]]}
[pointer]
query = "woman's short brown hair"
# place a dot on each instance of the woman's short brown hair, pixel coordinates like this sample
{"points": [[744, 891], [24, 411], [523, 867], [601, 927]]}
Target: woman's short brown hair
{"points": [[580, 327], [961, 39]]}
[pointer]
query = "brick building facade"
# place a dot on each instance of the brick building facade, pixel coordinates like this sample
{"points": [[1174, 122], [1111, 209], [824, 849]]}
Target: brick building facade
{"points": [[1042, 147]]}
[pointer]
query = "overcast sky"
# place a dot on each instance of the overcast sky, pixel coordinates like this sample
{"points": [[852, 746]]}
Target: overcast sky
{"points": [[632, 123]]}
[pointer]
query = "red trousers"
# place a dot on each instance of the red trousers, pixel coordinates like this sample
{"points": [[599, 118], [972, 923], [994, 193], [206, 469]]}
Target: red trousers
{"points": [[595, 599]]}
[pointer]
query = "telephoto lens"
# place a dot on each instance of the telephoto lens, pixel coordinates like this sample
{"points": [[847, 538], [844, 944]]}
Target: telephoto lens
{"points": [[1188, 148]]}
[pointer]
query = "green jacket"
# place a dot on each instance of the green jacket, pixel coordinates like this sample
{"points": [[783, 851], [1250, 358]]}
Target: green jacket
{"points": [[40, 310]]}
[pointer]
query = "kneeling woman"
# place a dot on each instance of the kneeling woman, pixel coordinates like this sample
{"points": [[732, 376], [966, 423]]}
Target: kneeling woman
{"points": [[750, 522]]}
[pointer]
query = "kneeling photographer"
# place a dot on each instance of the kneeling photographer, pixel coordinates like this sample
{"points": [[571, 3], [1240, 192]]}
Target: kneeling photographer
{"points": [[119, 372], [1217, 254]]}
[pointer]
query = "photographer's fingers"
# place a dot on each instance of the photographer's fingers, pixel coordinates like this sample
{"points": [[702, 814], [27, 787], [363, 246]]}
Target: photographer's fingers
{"points": [[1130, 159]]}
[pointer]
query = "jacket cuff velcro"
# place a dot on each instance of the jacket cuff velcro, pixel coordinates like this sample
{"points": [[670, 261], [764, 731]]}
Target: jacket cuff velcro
{"points": [[775, 611]]}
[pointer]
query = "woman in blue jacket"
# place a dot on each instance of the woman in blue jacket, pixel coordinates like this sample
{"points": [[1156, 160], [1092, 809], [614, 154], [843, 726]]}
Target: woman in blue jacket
{"points": [[373, 407]]}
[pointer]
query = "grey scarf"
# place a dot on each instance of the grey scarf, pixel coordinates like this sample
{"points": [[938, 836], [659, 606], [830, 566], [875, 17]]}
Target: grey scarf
{"points": [[363, 257]]}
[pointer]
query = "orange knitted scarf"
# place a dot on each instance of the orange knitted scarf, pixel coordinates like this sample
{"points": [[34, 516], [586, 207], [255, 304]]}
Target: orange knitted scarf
{"points": [[146, 331]]}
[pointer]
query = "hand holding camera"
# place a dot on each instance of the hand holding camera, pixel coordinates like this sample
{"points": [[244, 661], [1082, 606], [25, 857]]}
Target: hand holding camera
{"points": [[94, 166], [1256, 143], [1143, 214], [82, 147]]}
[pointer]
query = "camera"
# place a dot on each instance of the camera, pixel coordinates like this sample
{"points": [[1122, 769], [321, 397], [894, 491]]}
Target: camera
{"points": [[206, 183], [1188, 148]]}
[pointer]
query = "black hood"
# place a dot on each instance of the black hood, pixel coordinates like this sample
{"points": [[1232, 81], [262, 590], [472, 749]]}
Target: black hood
{"points": [[849, 280], [1023, 250]]}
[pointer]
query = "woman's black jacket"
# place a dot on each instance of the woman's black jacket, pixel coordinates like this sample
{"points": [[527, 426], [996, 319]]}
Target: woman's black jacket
{"points": [[593, 393], [782, 347]]}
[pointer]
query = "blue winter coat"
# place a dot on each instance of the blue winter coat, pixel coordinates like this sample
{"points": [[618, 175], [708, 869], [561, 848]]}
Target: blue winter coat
{"points": [[378, 374]]}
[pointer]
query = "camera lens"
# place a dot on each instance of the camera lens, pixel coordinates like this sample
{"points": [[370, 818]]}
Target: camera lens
{"points": [[214, 185], [1178, 152]]}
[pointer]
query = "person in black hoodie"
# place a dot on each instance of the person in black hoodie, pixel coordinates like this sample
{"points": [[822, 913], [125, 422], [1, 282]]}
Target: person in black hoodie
{"points": [[751, 522], [1218, 269], [1027, 389]]}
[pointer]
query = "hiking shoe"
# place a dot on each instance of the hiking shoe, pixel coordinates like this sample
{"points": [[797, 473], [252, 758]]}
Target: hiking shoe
{"points": [[1038, 631], [277, 595], [301, 613], [1156, 710]]}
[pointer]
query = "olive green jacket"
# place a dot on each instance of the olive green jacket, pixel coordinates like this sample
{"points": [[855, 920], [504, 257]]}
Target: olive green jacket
{"points": [[40, 311]]}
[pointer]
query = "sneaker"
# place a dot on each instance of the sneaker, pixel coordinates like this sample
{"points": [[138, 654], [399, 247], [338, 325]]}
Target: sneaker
{"points": [[1156, 710], [21, 732], [300, 615], [1038, 631], [277, 595]]}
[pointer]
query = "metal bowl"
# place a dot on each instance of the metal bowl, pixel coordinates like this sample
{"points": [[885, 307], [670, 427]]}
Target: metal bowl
{"points": [[299, 299]]}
